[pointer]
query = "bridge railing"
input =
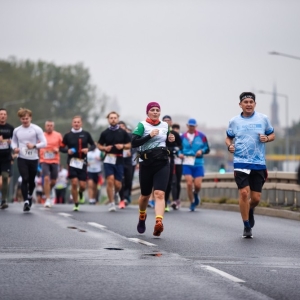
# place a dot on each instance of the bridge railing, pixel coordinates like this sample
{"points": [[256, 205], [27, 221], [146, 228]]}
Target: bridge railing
{"points": [[280, 189]]}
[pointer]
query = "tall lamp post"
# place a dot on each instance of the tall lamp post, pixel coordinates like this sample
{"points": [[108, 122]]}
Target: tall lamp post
{"points": [[283, 54], [287, 139]]}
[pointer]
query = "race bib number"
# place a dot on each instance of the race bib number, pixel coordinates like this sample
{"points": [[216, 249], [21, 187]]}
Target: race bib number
{"points": [[110, 159], [4, 144], [189, 160], [76, 163], [177, 161], [30, 153], [49, 155]]}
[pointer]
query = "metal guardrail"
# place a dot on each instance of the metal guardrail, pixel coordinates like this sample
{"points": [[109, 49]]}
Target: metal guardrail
{"points": [[281, 188]]}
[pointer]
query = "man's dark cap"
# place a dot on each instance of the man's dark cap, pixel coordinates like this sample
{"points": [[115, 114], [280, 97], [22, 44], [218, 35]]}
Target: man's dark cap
{"points": [[245, 95], [167, 117], [122, 122]]}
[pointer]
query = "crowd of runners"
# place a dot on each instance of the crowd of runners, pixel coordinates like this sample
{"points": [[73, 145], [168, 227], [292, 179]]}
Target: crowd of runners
{"points": [[161, 151]]}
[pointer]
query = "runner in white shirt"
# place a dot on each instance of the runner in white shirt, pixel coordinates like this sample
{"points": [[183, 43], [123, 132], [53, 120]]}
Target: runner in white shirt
{"points": [[26, 141], [94, 171]]}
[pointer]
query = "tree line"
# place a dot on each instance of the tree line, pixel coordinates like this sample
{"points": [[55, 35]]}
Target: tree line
{"points": [[51, 92]]}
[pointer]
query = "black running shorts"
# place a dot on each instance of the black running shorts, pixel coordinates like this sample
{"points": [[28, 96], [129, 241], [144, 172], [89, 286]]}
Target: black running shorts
{"points": [[155, 176], [255, 180]]}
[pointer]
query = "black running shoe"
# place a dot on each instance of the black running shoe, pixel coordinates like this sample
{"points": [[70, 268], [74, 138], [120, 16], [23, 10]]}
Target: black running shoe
{"points": [[251, 217], [141, 226], [26, 206], [3, 204], [247, 233]]}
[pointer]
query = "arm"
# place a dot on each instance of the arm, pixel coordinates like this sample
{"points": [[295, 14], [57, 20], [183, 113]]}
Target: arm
{"points": [[229, 143], [139, 141]]}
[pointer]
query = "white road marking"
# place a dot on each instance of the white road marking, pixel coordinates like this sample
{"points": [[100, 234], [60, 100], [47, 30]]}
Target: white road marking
{"points": [[139, 241], [224, 274], [97, 225], [65, 214]]}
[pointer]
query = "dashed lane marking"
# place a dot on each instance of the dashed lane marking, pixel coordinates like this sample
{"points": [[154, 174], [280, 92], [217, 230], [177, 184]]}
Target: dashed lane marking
{"points": [[65, 214], [139, 241], [97, 225], [222, 273]]}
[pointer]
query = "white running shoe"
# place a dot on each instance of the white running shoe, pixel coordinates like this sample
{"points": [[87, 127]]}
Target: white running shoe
{"points": [[47, 203], [111, 207]]}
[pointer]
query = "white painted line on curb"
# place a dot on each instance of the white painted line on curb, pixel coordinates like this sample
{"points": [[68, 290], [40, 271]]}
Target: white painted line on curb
{"points": [[139, 241], [224, 274], [65, 214], [97, 225]]}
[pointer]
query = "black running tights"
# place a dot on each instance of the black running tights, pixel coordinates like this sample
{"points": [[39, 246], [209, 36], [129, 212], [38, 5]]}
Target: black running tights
{"points": [[27, 169]]}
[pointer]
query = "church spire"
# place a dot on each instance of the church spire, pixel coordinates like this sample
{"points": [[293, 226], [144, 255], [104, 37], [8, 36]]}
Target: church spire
{"points": [[274, 109]]}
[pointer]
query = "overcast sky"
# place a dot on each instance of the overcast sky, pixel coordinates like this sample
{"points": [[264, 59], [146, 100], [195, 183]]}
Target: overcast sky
{"points": [[194, 57]]}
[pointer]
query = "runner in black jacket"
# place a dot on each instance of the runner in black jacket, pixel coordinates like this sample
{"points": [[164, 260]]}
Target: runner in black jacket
{"points": [[76, 143]]}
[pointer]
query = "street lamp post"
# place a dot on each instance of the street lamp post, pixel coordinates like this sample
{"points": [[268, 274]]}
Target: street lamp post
{"points": [[283, 54], [287, 138]]}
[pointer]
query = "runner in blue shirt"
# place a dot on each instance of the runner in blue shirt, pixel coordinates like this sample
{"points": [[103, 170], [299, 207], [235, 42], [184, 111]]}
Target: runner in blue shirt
{"points": [[247, 134]]}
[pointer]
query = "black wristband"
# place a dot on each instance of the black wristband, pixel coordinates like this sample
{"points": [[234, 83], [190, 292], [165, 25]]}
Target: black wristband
{"points": [[267, 138]]}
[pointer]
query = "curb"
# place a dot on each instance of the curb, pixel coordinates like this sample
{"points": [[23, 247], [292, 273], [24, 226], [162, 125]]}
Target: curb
{"points": [[270, 212]]}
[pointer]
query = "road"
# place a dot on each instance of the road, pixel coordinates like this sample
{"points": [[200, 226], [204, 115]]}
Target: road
{"points": [[93, 254]]}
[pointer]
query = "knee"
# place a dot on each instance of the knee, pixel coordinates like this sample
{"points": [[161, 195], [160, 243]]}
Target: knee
{"points": [[244, 194], [189, 185], [159, 195]]}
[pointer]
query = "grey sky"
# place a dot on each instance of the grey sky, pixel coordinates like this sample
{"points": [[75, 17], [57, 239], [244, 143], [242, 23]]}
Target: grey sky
{"points": [[193, 57]]}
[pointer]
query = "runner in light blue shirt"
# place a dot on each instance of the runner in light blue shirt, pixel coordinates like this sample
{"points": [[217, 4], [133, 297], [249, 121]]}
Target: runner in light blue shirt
{"points": [[247, 134]]}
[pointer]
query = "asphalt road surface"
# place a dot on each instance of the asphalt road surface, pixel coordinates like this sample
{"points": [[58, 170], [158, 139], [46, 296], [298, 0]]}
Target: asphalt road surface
{"points": [[95, 254]]}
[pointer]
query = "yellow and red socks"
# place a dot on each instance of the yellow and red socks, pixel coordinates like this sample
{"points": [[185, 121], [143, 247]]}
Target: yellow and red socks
{"points": [[142, 214]]}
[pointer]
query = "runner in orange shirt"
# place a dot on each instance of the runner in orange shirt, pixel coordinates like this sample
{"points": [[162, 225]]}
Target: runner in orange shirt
{"points": [[50, 159]]}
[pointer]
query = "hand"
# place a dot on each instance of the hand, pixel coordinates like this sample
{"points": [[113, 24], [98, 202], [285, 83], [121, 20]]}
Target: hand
{"points": [[1, 138], [55, 150], [181, 156], [199, 153], [263, 138], [16, 150], [85, 150], [119, 146], [70, 151], [30, 146], [171, 137], [154, 132], [108, 148], [231, 148]]}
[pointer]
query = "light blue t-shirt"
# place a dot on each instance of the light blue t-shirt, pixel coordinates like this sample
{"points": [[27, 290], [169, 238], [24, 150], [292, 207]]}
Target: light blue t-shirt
{"points": [[249, 151]]}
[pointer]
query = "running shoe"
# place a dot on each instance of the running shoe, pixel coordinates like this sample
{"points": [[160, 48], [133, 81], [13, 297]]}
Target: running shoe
{"points": [[111, 207], [117, 199], [30, 200], [167, 209], [196, 199], [141, 226], [47, 203], [81, 199], [251, 217], [122, 204], [151, 203], [192, 206], [76, 208], [158, 228], [26, 206], [247, 233], [3, 204], [174, 205], [178, 203]]}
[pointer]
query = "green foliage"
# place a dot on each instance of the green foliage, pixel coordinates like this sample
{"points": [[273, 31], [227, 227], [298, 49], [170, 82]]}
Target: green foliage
{"points": [[51, 92]]}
